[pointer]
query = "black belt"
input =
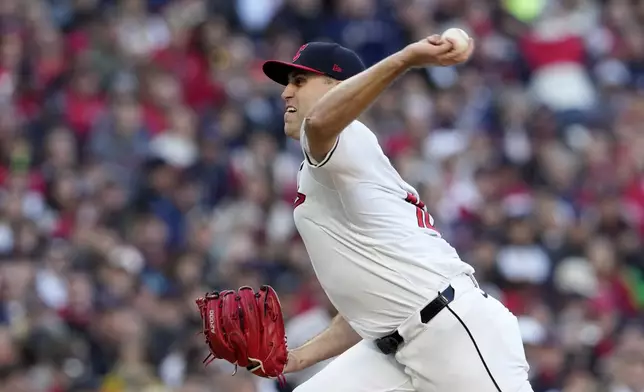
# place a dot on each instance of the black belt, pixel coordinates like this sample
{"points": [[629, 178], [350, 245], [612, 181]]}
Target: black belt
{"points": [[389, 344]]}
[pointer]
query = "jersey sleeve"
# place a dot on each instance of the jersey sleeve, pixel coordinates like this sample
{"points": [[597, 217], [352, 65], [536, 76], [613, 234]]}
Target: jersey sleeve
{"points": [[356, 151]]}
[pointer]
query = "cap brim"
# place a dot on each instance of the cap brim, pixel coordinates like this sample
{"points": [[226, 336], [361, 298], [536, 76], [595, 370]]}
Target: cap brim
{"points": [[278, 71]]}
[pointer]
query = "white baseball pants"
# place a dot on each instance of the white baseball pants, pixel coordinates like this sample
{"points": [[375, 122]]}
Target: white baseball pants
{"points": [[472, 345]]}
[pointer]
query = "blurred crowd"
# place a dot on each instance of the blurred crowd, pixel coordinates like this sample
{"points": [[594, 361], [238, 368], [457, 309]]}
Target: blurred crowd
{"points": [[143, 163]]}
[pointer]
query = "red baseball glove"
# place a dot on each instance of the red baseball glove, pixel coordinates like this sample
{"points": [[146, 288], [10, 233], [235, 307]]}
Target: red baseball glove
{"points": [[246, 328]]}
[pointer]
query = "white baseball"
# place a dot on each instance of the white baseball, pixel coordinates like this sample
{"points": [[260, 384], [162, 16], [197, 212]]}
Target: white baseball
{"points": [[458, 38]]}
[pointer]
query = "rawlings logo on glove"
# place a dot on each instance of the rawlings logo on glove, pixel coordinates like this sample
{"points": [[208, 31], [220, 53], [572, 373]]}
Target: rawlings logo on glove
{"points": [[246, 328]]}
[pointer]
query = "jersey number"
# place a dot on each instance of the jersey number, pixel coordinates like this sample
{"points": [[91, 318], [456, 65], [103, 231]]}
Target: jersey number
{"points": [[425, 220]]}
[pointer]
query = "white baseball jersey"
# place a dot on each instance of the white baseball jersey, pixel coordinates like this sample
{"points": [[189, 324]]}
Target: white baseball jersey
{"points": [[371, 241]]}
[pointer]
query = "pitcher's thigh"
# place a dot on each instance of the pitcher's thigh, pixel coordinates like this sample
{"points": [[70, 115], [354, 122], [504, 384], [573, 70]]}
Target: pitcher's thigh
{"points": [[474, 347], [362, 368]]}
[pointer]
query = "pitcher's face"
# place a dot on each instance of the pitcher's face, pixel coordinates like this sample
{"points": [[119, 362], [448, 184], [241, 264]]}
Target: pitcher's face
{"points": [[302, 92]]}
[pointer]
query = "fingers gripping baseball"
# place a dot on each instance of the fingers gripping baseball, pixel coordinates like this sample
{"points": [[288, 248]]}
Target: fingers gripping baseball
{"points": [[455, 57], [446, 50], [246, 328]]}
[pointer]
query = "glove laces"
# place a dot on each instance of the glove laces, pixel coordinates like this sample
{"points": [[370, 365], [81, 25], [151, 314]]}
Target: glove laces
{"points": [[281, 380]]}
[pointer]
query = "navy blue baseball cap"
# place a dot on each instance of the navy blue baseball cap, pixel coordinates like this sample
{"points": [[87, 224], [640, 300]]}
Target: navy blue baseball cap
{"points": [[322, 58]]}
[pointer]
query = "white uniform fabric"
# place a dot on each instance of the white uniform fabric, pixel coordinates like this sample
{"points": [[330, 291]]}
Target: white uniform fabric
{"points": [[371, 257], [377, 256]]}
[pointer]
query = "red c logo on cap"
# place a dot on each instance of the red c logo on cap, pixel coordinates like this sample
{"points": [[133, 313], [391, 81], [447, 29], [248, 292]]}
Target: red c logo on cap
{"points": [[299, 52]]}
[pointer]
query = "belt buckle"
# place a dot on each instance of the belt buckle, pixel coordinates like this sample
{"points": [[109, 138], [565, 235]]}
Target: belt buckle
{"points": [[387, 345]]}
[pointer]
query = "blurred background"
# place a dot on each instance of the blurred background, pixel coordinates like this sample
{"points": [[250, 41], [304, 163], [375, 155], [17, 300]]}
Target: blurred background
{"points": [[142, 163]]}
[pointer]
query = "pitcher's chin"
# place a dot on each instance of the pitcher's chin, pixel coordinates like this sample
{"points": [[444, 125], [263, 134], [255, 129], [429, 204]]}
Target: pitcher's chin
{"points": [[292, 131]]}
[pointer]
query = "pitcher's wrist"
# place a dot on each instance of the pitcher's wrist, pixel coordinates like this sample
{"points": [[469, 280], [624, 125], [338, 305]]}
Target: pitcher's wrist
{"points": [[295, 362]]}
